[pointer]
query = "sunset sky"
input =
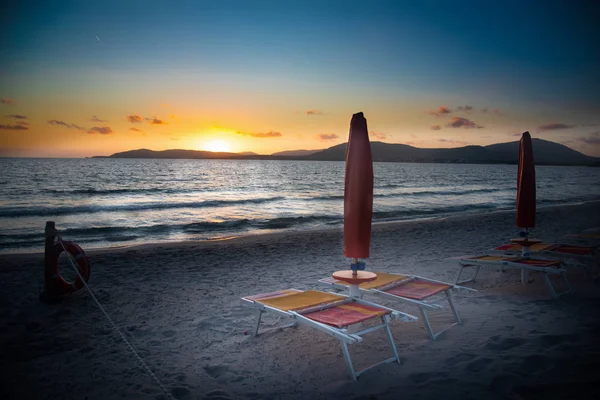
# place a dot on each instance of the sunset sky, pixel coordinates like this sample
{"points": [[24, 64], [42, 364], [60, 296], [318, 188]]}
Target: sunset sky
{"points": [[83, 78]]}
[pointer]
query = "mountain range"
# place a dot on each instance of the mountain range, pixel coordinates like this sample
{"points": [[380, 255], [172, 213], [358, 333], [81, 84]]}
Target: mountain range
{"points": [[545, 152]]}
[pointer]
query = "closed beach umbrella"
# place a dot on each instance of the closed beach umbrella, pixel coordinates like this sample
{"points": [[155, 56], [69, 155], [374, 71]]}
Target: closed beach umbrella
{"points": [[358, 190], [526, 184]]}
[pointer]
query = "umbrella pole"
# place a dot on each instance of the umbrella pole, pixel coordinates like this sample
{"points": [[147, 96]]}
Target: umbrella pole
{"points": [[525, 246], [354, 290], [525, 253]]}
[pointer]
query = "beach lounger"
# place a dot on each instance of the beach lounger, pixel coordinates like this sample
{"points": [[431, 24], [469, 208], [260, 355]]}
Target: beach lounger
{"points": [[589, 236], [336, 315], [423, 292], [585, 256], [547, 267]]}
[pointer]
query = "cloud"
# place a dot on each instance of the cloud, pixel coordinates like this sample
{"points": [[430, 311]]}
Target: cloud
{"points": [[441, 111], [460, 122], [103, 130], [17, 116], [66, 125], [435, 127], [7, 101], [135, 130], [484, 110], [593, 138], [377, 135], [95, 118], [516, 134], [156, 121], [17, 127], [452, 141], [466, 108], [134, 119], [498, 112], [261, 134], [328, 136], [313, 112], [554, 127]]}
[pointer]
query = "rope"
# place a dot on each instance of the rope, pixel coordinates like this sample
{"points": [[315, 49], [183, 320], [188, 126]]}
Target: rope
{"points": [[115, 327]]}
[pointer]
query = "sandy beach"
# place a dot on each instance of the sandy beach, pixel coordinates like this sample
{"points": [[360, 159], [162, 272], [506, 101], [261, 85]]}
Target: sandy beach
{"points": [[179, 305]]}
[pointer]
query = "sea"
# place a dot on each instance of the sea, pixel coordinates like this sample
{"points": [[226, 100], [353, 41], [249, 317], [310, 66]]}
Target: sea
{"points": [[103, 202]]}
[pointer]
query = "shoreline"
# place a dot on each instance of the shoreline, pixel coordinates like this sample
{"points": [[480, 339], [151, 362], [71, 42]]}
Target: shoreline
{"points": [[256, 236]]}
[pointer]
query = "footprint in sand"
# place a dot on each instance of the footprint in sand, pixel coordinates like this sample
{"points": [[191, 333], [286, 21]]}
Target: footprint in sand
{"points": [[216, 371], [459, 358], [553, 340], [478, 365], [505, 344], [535, 363], [424, 377], [218, 394], [502, 383], [180, 392]]}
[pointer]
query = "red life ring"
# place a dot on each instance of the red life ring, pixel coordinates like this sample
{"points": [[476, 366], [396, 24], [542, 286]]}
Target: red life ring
{"points": [[83, 265]]}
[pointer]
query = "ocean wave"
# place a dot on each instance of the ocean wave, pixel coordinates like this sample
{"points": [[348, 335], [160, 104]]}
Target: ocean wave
{"points": [[439, 192], [415, 213], [14, 212], [417, 193]]}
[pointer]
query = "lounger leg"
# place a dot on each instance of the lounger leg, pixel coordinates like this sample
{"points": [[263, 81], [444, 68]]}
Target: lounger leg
{"points": [[462, 267], [549, 283], [348, 360], [258, 317], [386, 319], [458, 276], [426, 322], [524, 276], [451, 303], [476, 272]]}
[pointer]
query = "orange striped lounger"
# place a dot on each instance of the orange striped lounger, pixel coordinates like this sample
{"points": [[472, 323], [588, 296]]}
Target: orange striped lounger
{"points": [[547, 267], [422, 292], [330, 313], [573, 255]]}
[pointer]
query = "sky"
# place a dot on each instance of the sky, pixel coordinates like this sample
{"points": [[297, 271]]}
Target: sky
{"points": [[84, 78]]}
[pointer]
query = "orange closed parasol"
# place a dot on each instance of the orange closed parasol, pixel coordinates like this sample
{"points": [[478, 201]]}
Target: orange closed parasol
{"points": [[526, 184], [358, 190]]}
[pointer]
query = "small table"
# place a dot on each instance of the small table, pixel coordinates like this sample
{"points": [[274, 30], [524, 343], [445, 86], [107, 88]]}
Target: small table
{"points": [[525, 242], [354, 279]]}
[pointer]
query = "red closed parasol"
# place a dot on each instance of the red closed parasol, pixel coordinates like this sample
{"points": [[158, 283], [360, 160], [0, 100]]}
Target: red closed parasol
{"points": [[526, 184], [358, 190]]}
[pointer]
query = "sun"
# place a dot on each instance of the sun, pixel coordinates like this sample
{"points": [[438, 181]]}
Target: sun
{"points": [[216, 146]]}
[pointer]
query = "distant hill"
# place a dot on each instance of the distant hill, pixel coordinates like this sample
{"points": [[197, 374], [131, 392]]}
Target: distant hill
{"points": [[545, 152], [294, 153], [247, 153], [176, 153]]}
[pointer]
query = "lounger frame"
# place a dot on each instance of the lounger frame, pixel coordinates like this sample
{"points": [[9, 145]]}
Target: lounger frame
{"points": [[424, 305], [470, 262], [346, 336]]}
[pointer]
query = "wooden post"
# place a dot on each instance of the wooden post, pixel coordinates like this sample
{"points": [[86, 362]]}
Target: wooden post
{"points": [[49, 295]]}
